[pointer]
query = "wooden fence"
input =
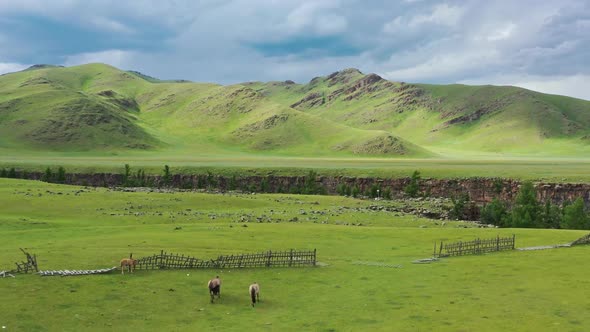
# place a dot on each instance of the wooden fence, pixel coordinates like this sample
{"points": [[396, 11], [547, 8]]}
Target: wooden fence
{"points": [[29, 265], [583, 240], [474, 247], [291, 258]]}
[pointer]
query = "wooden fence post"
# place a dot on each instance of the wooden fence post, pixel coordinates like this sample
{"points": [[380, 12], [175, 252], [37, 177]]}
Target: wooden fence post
{"points": [[513, 238], [314, 256], [268, 259], [498, 243]]}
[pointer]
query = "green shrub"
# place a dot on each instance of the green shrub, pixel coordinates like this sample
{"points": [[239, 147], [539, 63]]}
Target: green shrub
{"points": [[413, 188], [232, 185], [166, 178], [310, 186], [498, 186], [458, 209], [375, 191], [551, 216], [526, 210], [12, 173], [126, 175], [341, 189], [61, 175], [494, 213], [48, 175], [386, 194], [575, 216], [355, 191]]}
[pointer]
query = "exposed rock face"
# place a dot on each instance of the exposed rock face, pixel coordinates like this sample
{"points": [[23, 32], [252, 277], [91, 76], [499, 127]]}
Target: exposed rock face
{"points": [[480, 190], [311, 100]]}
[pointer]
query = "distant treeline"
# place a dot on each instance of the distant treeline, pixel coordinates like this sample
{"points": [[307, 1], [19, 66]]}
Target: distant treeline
{"points": [[525, 211]]}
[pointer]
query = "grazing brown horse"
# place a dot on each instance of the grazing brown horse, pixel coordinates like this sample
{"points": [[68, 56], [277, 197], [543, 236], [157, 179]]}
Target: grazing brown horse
{"points": [[128, 263], [254, 291], [214, 288]]}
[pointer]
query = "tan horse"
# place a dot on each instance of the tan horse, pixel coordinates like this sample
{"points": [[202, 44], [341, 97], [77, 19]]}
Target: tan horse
{"points": [[214, 286], [128, 263], [254, 291]]}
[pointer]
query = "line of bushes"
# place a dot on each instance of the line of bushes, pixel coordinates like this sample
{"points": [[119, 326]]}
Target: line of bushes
{"points": [[525, 212]]}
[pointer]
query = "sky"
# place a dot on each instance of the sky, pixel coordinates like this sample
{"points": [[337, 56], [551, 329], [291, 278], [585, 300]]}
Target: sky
{"points": [[535, 44]]}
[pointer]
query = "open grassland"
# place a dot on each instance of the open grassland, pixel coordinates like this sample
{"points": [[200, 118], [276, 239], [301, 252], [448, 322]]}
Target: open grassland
{"points": [[538, 169], [75, 228]]}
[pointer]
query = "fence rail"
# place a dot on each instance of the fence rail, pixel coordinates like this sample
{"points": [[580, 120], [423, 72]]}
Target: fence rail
{"points": [[291, 258], [475, 247], [583, 240]]}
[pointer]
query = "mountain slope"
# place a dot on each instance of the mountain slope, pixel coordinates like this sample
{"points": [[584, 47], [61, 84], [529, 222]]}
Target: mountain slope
{"points": [[47, 108], [98, 107], [443, 117]]}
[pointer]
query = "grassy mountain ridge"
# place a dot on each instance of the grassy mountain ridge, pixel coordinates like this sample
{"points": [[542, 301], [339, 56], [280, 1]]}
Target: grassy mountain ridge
{"points": [[347, 113], [439, 117], [99, 107]]}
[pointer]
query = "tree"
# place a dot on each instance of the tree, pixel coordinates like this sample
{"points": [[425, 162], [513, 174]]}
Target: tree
{"points": [[458, 209], [166, 177], [232, 183], [211, 181], [413, 187], [126, 175], [526, 210], [575, 217], [12, 173], [61, 175], [355, 191], [264, 185], [48, 176], [551, 216], [310, 186], [494, 213]]}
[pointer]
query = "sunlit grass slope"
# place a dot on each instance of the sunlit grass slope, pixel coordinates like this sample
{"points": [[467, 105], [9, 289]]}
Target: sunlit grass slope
{"points": [[448, 119], [96, 107]]}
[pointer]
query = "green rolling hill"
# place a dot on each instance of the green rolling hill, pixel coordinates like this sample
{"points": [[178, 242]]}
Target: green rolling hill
{"points": [[97, 108]]}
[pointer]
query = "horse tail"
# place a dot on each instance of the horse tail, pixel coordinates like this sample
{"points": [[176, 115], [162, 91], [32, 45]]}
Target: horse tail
{"points": [[253, 295]]}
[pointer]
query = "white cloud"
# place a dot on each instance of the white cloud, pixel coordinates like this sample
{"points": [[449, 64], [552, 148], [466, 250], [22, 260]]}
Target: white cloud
{"points": [[318, 16], [116, 58], [441, 14], [330, 24], [227, 41], [502, 33], [103, 23], [444, 65], [393, 26], [9, 67]]}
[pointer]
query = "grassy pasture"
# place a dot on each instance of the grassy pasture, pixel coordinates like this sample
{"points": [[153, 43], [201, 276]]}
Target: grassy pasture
{"points": [[544, 169], [72, 229]]}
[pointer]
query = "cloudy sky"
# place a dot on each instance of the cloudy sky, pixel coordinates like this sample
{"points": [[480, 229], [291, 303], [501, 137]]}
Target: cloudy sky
{"points": [[536, 44]]}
